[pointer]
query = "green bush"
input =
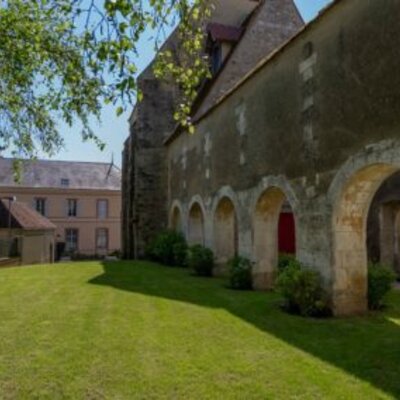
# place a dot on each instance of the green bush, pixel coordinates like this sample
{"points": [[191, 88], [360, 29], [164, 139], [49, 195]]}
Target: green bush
{"points": [[168, 248], [380, 280], [284, 260], [179, 251], [201, 260], [240, 273], [302, 291]]}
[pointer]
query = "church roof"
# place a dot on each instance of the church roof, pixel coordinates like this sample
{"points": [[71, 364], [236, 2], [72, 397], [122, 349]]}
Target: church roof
{"points": [[270, 25], [203, 109], [265, 60]]}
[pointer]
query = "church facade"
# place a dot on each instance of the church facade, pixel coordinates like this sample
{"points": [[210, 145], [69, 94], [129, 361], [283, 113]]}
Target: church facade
{"points": [[309, 128]]}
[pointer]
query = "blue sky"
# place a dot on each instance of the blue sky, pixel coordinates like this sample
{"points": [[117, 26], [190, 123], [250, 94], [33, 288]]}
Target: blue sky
{"points": [[114, 130]]}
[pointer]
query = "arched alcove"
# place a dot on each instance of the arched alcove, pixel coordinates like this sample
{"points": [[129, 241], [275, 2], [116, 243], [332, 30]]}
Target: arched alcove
{"points": [[176, 219], [225, 231], [350, 261], [268, 234], [196, 225]]}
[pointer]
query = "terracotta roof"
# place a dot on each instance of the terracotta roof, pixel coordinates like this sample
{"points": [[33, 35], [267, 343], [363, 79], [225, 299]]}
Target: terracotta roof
{"points": [[224, 33], [61, 174], [22, 217]]}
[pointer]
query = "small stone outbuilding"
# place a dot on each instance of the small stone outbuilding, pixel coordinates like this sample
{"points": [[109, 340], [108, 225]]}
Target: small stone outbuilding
{"points": [[25, 234]]}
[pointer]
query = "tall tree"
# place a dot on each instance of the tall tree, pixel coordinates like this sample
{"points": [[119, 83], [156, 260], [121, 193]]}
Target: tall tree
{"points": [[61, 60]]}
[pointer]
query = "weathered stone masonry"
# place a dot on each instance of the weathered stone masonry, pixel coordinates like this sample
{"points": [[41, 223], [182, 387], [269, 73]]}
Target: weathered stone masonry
{"points": [[144, 155], [144, 189], [317, 125]]}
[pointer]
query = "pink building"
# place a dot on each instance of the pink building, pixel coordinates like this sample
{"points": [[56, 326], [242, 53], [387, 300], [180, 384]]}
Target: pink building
{"points": [[82, 199]]}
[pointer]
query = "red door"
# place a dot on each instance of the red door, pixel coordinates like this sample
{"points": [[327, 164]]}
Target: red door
{"points": [[286, 234]]}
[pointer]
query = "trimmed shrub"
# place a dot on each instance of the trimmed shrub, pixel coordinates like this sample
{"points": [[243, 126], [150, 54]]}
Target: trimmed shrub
{"points": [[201, 260], [240, 273], [179, 251], [168, 248], [284, 260], [380, 280], [302, 291]]}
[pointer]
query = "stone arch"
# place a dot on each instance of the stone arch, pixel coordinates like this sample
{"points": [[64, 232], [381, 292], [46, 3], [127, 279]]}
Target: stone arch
{"points": [[350, 196], [225, 213], [196, 221], [268, 201], [176, 218]]}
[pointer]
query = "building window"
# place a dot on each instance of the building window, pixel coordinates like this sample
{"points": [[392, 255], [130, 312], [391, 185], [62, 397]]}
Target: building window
{"points": [[216, 58], [71, 240], [72, 208], [102, 209], [40, 205], [64, 182], [101, 239]]}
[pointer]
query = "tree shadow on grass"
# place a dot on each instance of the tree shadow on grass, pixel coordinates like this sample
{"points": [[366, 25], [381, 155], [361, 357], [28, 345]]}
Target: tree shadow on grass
{"points": [[367, 347]]}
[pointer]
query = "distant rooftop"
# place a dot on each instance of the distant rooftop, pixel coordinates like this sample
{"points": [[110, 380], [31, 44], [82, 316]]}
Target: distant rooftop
{"points": [[61, 174]]}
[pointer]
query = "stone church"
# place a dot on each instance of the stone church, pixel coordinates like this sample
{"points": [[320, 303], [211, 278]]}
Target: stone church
{"points": [[297, 144]]}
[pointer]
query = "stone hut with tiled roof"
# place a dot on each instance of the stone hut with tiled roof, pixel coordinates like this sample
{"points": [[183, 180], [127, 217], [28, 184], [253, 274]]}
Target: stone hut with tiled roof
{"points": [[25, 234]]}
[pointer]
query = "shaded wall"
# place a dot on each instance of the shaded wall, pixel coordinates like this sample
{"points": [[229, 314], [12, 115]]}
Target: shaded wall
{"points": [[383, 224], [311, 122]]}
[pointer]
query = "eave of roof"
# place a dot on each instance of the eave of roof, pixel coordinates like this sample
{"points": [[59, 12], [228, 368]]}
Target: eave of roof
{"points": [[26, 217], [179, 129]]}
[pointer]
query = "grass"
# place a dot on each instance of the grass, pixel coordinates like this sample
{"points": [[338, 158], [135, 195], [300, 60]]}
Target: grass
{"points": [[140, 331]]}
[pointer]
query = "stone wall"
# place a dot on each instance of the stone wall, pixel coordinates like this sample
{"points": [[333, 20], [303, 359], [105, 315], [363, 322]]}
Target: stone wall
{"points": [[144, 165], [316, 125], [272, 24], [144, 157]]}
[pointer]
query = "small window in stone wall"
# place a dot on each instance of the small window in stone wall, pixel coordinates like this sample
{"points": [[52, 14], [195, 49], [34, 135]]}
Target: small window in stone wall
{"points": [[308, 50], [65, 182], [216, 57]]}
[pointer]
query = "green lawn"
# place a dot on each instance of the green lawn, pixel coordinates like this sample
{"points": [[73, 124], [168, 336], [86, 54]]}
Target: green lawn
{"points": [[142, 331]]}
